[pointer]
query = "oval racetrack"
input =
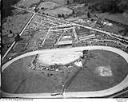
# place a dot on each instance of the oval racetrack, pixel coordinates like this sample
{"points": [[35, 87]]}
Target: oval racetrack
{"points": [[91, 81]]}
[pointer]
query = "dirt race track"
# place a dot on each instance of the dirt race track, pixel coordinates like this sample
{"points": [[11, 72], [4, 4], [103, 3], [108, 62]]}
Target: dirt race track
{"points": [[16, 78]]}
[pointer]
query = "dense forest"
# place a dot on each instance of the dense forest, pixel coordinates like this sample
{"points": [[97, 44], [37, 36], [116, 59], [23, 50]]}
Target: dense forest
{"points": [[111, 6], [7, 7]]}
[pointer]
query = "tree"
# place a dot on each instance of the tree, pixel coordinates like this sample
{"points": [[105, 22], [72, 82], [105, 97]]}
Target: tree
{"points": [[68, 2], [88, 15], [18, 38], [62, 15], [73, 12], [80, 1], [59, 16]]}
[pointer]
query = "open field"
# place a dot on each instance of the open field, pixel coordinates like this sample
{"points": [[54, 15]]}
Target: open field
{"points": [[21, 80], [89, 79]]}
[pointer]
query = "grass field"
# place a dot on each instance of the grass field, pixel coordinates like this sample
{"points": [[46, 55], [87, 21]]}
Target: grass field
{"points": [[89, 79], [18, 79]]}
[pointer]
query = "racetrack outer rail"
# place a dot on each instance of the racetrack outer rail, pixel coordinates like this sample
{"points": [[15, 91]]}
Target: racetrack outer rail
{"points": [[101, 93]]}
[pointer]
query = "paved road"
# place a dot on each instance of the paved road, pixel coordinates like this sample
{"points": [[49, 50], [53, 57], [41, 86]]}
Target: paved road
{"points": [[20, 35], [73, 23]]}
